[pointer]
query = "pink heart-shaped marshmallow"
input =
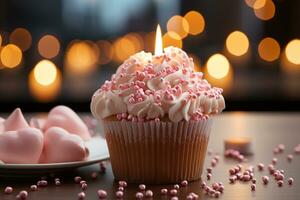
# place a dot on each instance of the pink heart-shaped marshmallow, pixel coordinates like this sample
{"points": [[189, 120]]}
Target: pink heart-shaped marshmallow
{"points": [[66, 118], [23, 146], [15, 121], [61, 146]]}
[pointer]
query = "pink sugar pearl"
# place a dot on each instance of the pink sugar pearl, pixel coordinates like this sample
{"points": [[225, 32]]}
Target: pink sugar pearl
{"points": [[142, 186], [290, 181], [123, 184], [164, 191], [149, 193], [173, 192], [253, 187], [81, 195], [102, 194], [84, 186], [260, 166], [290, 157], [174, 198], [33, 187], [8, 190], [119, 194], [23, 194], [280, 183], [121, 189], [184, 183], [208, 176], [77, 179], [176, 186], [265, 179], [139, 195]]}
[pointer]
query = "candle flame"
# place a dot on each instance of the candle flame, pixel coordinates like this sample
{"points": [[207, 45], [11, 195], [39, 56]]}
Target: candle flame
{"points": [[158, 41]]}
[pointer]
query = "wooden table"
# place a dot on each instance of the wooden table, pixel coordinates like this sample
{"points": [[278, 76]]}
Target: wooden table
{"points": [[266, 130]]}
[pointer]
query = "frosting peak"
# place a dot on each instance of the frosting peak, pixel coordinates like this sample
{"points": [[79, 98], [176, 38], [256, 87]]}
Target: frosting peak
{"points": [[147, 87]]}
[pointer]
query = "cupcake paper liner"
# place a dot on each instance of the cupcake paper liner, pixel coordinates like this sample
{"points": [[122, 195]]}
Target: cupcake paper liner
{"points": [[157, 152]]}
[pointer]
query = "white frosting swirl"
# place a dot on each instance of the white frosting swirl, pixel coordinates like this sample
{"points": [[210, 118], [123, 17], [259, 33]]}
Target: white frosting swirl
{"points": [[147, 87]]}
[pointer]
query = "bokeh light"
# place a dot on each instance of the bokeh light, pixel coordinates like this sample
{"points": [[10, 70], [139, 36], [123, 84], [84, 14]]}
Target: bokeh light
{"points": [[123, 49], [11, 56], [266, 12], [292, 51], [106, 51], [136, 40], [42, 92], [250, 3], [45, 72], [237, 43], [218, 66], [172, 39], [81, 57], [49, 46], [269, 49], [196, 22], [179, 25], [259, 3], [148, 41], [0, 40], [21, 38]]}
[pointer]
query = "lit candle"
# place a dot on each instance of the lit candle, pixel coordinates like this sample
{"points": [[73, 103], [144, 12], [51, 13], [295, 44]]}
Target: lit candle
{"points": [[158, 42]]}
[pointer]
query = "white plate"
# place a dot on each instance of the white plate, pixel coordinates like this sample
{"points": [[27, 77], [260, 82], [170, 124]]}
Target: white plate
{"points": [[98, 152]]}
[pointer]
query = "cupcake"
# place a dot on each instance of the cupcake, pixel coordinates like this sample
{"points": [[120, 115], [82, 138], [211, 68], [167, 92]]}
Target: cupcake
{"points": [[157, 114]]}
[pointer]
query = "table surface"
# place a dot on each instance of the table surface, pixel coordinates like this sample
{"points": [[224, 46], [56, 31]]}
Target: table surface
{"points": [[266, 130]]}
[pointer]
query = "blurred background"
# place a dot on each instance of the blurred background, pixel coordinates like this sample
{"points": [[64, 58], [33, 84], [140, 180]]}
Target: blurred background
{"points": [[61, 51]]}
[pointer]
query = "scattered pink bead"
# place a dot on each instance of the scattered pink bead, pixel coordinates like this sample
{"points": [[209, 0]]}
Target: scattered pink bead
{"points": [[232, 171], [173, 192], [149, 193], [164, 191], [280, 183], [42, 183], [119, 194], [232, 179], [184, 183], [174, 198], [209, 170], [84, 186], [102, 194], [281, 147], [208, 176], [274, 161], [260, 166], [77, 179], [81, 195], [290, 157], [123, 184], [8, 190], [94, 175], [265, 179], [253, 180], [82, 182], [57, 183], [290, 181], [279, 177], [121, 189], [139, 195], [142, 186], [213, 162], [253, 187], [176, 186], [246, 178], [33, 187], [23, 194]]}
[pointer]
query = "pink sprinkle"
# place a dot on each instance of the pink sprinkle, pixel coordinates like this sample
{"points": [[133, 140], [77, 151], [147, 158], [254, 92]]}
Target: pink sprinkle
{"points": [[260, 166], [246, 178], [123, 184], [102, 194], [232, 171], [290, 157], [203, 184], [142, 186], [208, 176], [139, 195], [164, 191], [279, 177], [253, 187], [57, 183], [33, 187], [149, 193], [174, 198], [84, 186], [217, 194], [213, 162], [290, 181], [23, 194], [82, 182], [254, 180], [280, 183], [232, 179], [274, 161], [184, 183], [209, 170], [157, 120], [119, 194], [176, 186], [121, 189], [281, 147], [77, 179], [81, 195], [42, 183], [8, 190], [173, 192], [265, 179]]}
